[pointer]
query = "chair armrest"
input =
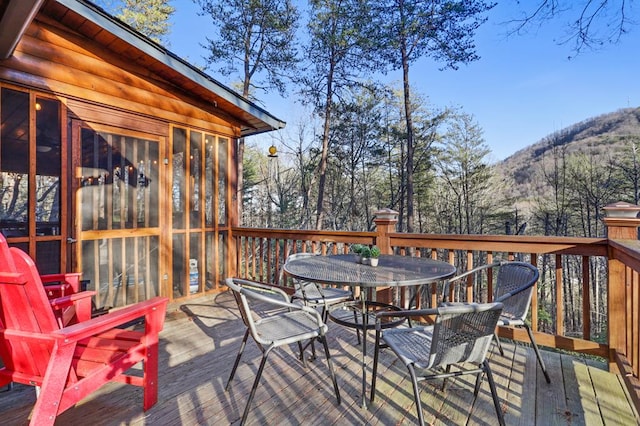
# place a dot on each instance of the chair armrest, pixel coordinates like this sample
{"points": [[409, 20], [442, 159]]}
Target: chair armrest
{"points": [[505, 296], [73, 333], [447, 283], [75, 307], [69, 277], [259, 288], [407, 313], [264, 293], [473, 271], [16, 278], [450, 307], [402, 314], [61, 283], [70, 300], [55, 291]]}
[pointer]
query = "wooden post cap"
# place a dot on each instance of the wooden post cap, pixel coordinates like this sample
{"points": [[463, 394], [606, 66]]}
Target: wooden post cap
{"points": [[622, 220], [621, 209], [386, 214]]}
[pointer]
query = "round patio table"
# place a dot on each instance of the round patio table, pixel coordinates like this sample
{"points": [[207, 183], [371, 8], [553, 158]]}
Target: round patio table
{"points": [[392, 271]]}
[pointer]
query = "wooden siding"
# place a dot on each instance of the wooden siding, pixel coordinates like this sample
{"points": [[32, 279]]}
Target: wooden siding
{"points": [[56, 60]]}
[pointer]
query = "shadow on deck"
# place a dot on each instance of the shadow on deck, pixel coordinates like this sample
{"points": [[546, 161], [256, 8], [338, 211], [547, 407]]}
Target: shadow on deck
{"points": [[201, 338]]}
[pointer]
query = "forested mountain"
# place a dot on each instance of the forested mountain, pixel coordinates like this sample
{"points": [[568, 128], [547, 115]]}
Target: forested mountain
{"points": [[609, 141]]}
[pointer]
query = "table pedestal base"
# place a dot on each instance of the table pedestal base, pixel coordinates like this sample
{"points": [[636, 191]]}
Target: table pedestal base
{"points": [[362, 316]]}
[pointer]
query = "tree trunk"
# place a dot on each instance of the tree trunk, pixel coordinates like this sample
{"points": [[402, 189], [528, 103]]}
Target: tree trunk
{"points": [[322, 166], [245, 93], [409, 124]]}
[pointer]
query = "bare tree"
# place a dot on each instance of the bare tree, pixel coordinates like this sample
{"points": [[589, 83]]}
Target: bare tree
{"points": [[591, 23]]}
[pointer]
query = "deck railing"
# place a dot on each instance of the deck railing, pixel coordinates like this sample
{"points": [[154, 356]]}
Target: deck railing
{"points": [[587, 298]]}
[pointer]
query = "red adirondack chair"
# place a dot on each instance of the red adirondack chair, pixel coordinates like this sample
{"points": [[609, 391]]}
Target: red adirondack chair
{"points": [[69, 363]]}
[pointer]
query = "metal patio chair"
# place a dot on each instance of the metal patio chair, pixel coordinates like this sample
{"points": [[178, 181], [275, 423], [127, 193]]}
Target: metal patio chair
{"points": [[460, 338], [286, 324], [514, 286]]}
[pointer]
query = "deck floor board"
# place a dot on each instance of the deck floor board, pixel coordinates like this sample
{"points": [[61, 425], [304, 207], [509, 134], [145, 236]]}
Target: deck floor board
{"points": [[200, 341]]}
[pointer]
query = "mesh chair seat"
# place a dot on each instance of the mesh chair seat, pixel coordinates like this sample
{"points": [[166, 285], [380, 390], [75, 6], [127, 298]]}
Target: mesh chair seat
{"points": [[313, 294], [510, 320], [288, 327], [411, 345]]}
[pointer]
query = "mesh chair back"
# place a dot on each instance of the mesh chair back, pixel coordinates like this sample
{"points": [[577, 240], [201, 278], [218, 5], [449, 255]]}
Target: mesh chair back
{"points": [[248, 294], [241, 301], [517, 279], [463, 333], [308, 290]]}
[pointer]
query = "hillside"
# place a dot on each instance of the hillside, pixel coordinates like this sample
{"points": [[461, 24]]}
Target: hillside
{"points": [[604, 136]]}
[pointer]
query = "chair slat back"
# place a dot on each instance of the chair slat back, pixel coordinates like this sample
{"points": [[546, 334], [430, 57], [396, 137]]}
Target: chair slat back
{"points": [[517, 278], [24, 307], [463, 333]]}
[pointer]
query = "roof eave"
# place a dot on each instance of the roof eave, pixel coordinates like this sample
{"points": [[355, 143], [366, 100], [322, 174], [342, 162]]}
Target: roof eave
{"points": [[15, 22], [159, 53]]}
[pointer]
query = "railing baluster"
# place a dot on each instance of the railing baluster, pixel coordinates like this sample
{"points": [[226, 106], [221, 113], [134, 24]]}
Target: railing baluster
{"points": [[586, 299], [635, 314], [534, 297], [559, 297]]}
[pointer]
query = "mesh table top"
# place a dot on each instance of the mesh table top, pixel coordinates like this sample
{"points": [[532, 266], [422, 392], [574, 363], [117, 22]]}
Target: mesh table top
{"points": [[391, 270]]}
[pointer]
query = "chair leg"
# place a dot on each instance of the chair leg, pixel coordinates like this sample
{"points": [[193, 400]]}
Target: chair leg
{"points": [[301, 349], [235, 364], [535, 348], [494, 392], [444, 380], [476, 389], [313, 349], [497, 340], [331, 370], [255, 385], [374, 373], [416, 393], [150, 393], [355, 321]]}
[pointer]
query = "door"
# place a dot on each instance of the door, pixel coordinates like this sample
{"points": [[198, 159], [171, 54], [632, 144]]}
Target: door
{"points": [[117, 195]]}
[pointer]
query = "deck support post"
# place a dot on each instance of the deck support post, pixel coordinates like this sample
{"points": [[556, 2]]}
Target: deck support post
{"points": [[622, 223]]}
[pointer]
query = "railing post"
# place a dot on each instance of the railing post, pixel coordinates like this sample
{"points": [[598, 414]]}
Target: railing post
{"points": [[385, 220], [622, 223]]}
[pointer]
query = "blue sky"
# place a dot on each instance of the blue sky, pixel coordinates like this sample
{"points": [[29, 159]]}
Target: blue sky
{"points": [[522, 89]]}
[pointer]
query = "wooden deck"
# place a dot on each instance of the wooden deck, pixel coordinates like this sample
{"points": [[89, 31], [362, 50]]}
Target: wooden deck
{"points": [[201, 339]]}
